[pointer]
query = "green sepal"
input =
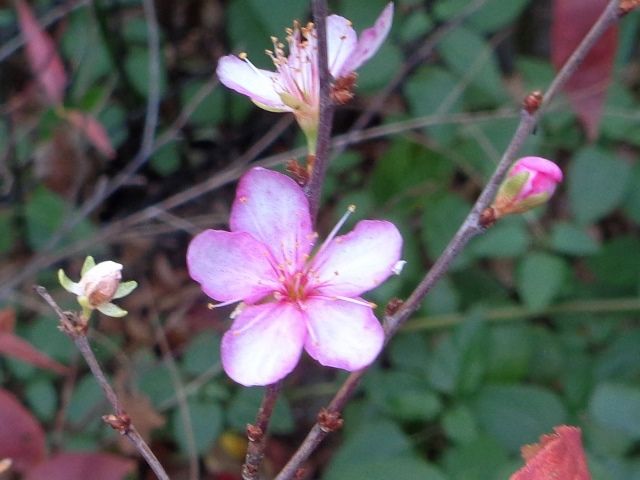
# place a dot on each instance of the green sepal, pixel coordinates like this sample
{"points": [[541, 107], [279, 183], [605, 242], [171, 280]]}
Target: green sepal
{"points": [[125, 288], [88, 264], [511, 187], [270, 109], [66, 283], [111, 310], [532, 201]]}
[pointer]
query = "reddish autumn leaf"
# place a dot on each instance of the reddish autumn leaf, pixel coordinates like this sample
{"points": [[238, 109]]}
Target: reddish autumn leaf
{"points": [[557, 455], [7, 320], [42, 54], [93, 130], [13, 346], [587, 87], [22, 439], [82, 465]]}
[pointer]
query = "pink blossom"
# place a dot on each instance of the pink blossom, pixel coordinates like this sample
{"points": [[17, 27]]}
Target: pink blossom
{"points": [[558, 455], [294, 86], [530, 183], [544, 176], [292, 299]]}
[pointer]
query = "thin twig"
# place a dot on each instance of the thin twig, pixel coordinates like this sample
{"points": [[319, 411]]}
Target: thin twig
{"points": [[69, 325], [257, 433], [313, 188], [469, 228], [183, 405]]}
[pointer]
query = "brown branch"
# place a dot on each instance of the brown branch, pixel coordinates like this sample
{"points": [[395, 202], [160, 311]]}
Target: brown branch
{"points": [[257, 433], [469, 228], [75, 326], [313, 188]]}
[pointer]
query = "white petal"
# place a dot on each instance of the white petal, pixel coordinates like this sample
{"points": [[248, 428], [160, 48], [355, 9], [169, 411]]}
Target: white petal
{"points": [[257, 84], [341, 40], [264, 343], [342, 334], [370, 41]]}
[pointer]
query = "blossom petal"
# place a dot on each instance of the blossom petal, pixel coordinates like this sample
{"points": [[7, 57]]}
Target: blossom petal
{"points": [[369, 42], [257, 84], [230, 266], [342, 334], [341, 40], [274, 210], [264, 343], [359, 261]]}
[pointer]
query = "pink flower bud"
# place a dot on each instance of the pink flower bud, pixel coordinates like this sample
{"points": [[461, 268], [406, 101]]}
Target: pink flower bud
{"points": [[530, 182], [100, 283], [544, 176]]}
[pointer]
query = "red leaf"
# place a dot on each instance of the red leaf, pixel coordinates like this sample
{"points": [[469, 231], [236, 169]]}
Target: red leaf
{"points": [[14, 346], [85, 465], [21, 436], [93, 130], [7, 320], [587, 87], [558, 455], [42, 55]]}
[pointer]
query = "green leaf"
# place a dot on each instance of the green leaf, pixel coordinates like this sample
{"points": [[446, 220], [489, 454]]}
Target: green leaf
{"points": [[276, 16], [442, 217], [202, 353], [407, 166], [516, 415], [137, 66], [460, 425], [45, 211], [597, 183], [510, 352], [617, 406], [632, 202], [467, 53], [618, 262], [425, 91], [508, 238], [476, 460], [42, 398], [379, 451], [496, 14], [540, 277], [380, 68], [572, 240], [166, 160], [6, 230], [206, 425], [403, 395]]}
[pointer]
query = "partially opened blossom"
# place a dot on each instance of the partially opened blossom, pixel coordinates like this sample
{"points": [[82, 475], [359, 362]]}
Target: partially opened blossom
{"points": [[558, 455], [530, 183], [294, 86], [98, 285], [293, 299]]}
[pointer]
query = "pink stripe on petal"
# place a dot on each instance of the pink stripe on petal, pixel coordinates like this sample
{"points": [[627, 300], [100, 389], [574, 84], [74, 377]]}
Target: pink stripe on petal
{"points": [[264, 344], [274, 210], [255, 83], [358, 261], [370, 41], [342, 334], [341, 41], [231, 266]]}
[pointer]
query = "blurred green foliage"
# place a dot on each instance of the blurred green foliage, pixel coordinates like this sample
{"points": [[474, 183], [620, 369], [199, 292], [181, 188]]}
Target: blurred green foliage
{"points": [[535, 325]]}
